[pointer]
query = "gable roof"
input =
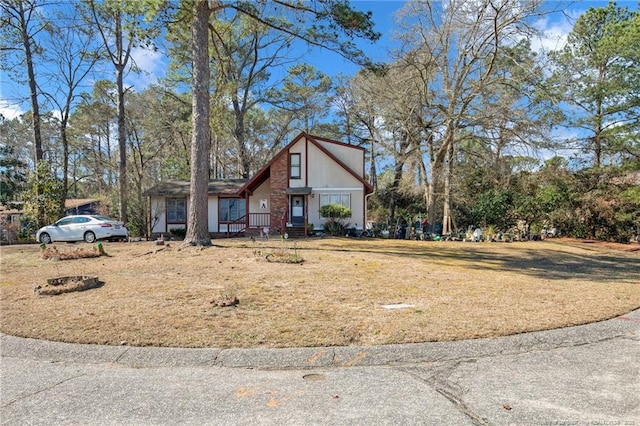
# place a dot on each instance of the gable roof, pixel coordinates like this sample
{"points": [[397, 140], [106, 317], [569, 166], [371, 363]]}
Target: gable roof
{"points": [[15, 209], [73, 203], [69, 203], [182, 187], [265, 172]]}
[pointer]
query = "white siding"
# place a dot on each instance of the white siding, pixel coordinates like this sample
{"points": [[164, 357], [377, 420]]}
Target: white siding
{"points": [[357, 205], [352, 157], [261, 193], [213, 213], [326, 173], [158, 215]]}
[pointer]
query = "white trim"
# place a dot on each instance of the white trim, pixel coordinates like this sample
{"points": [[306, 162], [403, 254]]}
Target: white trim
{"points": [[355, 188]]}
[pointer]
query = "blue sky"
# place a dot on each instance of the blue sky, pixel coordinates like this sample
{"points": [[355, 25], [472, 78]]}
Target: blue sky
{"points": [[13, 99]]}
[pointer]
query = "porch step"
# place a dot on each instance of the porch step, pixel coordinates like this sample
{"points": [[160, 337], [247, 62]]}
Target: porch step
{"points": [[295, 231]]}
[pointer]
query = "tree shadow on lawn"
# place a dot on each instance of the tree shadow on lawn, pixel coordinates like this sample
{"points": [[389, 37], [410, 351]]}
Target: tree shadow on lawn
{"points": [[539, 261]]}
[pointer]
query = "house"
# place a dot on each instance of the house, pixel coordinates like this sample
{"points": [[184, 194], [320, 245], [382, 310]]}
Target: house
{"points": [[285, 196], [11, 221], [81, 206], [169, 204]]}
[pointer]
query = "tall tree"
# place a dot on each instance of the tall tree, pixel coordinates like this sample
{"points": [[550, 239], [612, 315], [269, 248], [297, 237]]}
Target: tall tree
{"points": [[455, 45], [21, 23], [509, 119], [387, 105], [72, 57], [321, 23], [198, 220], [303, 96], [149, 132], [245, 51], [364, 98], [122, 26], [596, 80], [93, 122]]}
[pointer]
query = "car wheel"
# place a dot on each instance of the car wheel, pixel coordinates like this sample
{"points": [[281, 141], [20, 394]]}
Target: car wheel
{"points": [[45, 238], [89, 237]]}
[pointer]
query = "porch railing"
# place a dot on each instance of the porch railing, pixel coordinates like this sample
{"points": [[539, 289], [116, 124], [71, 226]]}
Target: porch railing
{"points": [[259, 220], [256, 220], [237, 226]]}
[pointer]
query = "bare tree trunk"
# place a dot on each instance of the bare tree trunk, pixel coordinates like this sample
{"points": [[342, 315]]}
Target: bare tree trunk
{"points": [[239, 132], [431, 203], [446, 216], [122, 134], [33, 87], [397, 177], [65, 159], [198, 222], [426, 183], [373, 173], [597, 138], [23, 17]]}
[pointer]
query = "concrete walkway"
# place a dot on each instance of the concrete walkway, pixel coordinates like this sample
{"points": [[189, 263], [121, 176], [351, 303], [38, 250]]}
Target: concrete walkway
{"points": [[584, 375]]}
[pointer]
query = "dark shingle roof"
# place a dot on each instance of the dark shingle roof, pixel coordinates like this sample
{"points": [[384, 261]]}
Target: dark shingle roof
{"points": [[181, 187]]}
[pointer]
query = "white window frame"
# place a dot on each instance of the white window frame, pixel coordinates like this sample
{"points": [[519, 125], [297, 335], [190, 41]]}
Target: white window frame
{"points": [[295, 170], [340, 198]]}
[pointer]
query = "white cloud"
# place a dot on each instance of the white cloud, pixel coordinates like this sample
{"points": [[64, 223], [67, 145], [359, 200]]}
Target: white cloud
{"points": [[152, 65], [9, 110], [553, 34], [554, 29]]}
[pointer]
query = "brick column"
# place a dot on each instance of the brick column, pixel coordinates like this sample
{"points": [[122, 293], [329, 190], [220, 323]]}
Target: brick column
{"points": [[279, 184]]}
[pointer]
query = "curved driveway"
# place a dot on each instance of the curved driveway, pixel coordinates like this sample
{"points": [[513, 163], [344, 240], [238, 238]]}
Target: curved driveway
{"points": [[584, 375]]}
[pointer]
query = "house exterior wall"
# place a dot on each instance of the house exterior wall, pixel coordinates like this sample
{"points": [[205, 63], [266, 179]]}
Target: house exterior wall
{"points": [[328, 177], [299, 147], [263, 192], [213, 214], [158, 215], [346, 154], [326, 173], [357, 206]]}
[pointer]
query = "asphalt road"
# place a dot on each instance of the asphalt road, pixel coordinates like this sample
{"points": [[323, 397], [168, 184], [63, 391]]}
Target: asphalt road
{"points": [[585, 375]]}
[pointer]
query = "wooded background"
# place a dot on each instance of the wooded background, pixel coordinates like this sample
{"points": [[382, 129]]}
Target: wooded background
{"points": [[460, 126]]}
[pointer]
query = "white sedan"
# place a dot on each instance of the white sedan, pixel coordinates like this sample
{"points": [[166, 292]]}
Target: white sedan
{"points": [[88, 228]]}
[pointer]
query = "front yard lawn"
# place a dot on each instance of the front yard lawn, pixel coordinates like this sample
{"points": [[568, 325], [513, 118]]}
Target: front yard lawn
{"points": [[170, 296]]}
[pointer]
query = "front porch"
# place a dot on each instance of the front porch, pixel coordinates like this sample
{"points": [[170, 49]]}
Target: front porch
{"points": [[256, 223]]}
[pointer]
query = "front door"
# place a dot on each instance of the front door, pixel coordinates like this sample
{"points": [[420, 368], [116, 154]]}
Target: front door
{"points": [[297, 210]]}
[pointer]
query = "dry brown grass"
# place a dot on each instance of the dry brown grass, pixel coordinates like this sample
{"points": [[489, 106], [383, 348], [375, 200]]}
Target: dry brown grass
{"points": [[164, 296]]}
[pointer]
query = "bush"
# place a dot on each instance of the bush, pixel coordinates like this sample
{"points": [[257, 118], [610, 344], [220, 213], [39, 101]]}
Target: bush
{"points": [[336, 214], [178, 233]]}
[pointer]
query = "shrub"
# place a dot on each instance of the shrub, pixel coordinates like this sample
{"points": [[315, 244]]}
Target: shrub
{"points": [[335, 213], [178, 233]]}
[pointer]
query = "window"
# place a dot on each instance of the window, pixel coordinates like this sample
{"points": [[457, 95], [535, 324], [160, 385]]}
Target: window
{"points": [[296, 169], [65, 221], [231, 209], [340, 199], [176, 210]]}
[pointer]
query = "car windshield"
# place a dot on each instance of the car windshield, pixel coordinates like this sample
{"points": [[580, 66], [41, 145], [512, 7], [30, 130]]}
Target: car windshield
{"points": [[102, 218]]}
